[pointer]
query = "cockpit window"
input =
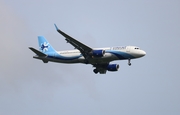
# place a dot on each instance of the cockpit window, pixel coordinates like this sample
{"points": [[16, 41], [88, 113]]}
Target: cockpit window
{"points": [[136, 48]]}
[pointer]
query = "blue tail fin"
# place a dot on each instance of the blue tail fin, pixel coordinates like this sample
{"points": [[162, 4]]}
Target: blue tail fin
{"points": [[44, 45]]}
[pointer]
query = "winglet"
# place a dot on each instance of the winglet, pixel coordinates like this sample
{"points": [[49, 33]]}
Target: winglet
{"points": [[56, 27], [61, 32]]}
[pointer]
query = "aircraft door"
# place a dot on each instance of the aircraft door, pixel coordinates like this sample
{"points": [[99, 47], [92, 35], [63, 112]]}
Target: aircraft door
{"points": [[127, 49]]}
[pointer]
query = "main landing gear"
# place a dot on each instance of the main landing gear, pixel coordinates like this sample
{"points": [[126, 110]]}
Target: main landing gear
{"points": [[95, 71], [129, 62]]}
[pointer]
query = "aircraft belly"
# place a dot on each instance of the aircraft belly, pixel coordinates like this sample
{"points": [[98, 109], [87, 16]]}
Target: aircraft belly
{"points": [[108, 57], [79, 60], [67, 61]]}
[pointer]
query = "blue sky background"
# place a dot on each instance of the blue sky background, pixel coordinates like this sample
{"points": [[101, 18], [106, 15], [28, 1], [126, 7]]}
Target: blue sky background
{"points": [[150, 86]]}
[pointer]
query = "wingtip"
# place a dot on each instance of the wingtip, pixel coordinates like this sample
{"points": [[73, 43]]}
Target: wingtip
{"points": [[56, 27], [30, 47]]}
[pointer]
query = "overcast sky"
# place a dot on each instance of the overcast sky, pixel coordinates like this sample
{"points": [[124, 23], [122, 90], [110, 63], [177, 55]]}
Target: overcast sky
{"points": [[149, 87]]}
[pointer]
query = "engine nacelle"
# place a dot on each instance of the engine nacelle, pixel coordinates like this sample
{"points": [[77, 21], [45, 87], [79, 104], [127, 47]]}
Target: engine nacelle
{"points": [[113, 67], [97, 53]]}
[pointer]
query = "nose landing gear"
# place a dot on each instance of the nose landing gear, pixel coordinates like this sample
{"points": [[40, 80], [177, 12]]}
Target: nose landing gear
{"points": [[129, 62]]}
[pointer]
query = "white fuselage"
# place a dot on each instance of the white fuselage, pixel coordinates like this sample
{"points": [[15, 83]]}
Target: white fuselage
{"points": [[100, 58], [111, 54]]}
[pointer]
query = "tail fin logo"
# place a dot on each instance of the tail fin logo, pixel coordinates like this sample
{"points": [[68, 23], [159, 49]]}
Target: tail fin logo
{"points": [[44, 46]]}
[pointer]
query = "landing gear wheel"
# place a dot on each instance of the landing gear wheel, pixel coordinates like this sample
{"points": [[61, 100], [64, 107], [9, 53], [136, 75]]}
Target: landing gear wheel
{"points": [[86, 62], [95, 71], [129, 62]]}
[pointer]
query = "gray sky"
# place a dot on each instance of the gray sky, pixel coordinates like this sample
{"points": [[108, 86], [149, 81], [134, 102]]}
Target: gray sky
{"points": [[150, 86]]}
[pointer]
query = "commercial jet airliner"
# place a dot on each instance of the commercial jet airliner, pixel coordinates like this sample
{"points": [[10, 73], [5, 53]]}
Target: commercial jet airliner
{"points": [[100, 58]]}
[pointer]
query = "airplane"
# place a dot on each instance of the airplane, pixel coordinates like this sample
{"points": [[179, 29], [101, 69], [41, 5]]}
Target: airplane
{"points": [[100, 58]]}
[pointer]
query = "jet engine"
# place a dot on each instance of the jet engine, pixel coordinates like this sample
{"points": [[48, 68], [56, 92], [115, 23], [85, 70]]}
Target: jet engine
{"points": [[97, 53], [113, 67]]}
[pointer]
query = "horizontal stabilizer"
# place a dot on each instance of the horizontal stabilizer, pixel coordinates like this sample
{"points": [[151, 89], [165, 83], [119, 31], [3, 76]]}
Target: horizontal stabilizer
{"points": [[37, 52]]}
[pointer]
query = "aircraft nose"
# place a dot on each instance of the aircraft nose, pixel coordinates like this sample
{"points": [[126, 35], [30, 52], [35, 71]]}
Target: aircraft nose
{"points": [[143, 53]]}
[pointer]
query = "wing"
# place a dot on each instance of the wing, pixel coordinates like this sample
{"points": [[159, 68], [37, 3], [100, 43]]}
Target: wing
{"points": [[85, 50]]}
